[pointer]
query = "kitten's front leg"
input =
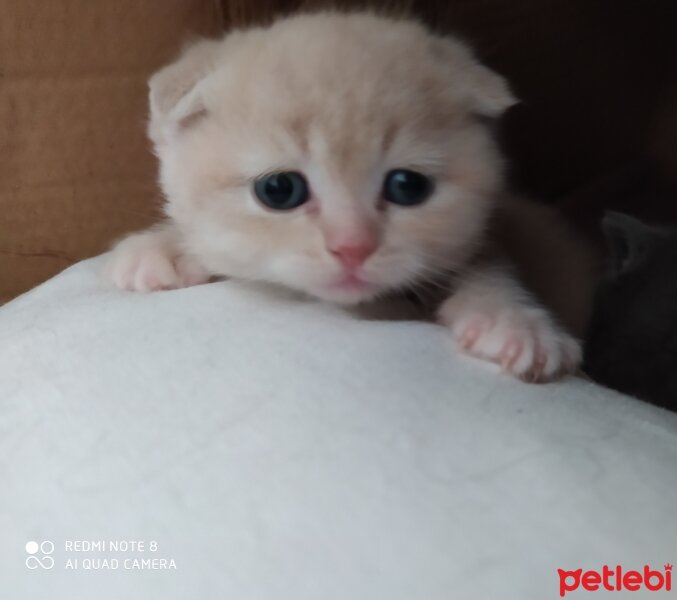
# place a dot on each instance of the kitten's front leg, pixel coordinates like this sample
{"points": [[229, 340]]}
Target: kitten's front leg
{"points": [[153, 260], [493, 317]]}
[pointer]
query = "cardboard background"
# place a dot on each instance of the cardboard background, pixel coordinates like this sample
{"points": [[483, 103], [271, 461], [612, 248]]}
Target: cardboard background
{"points": [[75, 166]]}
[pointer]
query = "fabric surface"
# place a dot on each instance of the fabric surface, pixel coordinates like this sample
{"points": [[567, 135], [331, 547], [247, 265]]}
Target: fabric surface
{"points": [[279, 449]]}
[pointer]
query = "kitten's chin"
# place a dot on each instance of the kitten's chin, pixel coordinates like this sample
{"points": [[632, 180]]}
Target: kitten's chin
{"points": [[348, 292]]}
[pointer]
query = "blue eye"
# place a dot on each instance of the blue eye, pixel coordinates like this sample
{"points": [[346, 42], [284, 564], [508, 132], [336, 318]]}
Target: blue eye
{"points": [[407, 188], [282, 191]]}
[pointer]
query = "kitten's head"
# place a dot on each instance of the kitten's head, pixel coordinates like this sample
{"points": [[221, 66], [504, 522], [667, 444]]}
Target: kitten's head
{"points": [[341, 155]]}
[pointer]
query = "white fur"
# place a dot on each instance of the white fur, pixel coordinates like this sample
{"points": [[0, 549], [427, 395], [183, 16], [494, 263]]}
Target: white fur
{"points": [[151, 261], [491, 316]]}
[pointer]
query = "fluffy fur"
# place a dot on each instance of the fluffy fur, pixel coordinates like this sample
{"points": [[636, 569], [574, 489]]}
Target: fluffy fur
{"points": [[343, 99]]}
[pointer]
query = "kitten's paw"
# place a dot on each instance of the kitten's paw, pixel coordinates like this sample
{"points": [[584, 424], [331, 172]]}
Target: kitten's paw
{"points": [[524, 340], [147, 262]]}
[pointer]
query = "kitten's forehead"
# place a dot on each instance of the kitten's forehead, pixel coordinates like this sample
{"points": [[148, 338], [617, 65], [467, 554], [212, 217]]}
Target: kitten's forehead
{"points": [[339, 145], [351, 134], [338, 86]]}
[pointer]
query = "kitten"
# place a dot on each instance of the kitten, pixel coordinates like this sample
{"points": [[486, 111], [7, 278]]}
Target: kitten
{"points": [[632, 342], [348, 156]]}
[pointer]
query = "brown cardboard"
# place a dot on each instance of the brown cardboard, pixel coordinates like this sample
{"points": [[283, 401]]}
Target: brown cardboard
{"points": [[76, 170]]}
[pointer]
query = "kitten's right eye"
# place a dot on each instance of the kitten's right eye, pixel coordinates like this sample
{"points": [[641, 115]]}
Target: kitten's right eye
{"points": [[282, 191], [407, 188]]}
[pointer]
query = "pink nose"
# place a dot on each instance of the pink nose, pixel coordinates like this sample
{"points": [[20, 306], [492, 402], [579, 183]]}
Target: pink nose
{"points": [[353, 255]]}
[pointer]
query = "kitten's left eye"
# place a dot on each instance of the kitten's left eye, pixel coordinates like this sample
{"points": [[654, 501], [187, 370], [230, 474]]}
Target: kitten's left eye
{"points": [[282, 191], [407, 188]]}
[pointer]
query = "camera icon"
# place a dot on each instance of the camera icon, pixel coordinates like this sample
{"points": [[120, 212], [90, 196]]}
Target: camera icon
{"points": [[39, 555]]}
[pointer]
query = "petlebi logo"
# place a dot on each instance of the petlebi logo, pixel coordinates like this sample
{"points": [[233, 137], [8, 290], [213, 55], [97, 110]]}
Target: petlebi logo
{"points": [[616, 580], [39, 555]]}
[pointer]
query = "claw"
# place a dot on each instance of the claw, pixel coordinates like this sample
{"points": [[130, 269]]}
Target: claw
{"points": [[510, 353], [470, 337]]}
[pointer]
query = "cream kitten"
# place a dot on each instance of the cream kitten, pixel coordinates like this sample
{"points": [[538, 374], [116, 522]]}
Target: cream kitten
{"points": [[345, 156]]}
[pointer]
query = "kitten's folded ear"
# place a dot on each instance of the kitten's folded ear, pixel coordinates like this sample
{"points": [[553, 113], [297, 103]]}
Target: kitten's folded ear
{"points": [[486, 92], [174, 90]]}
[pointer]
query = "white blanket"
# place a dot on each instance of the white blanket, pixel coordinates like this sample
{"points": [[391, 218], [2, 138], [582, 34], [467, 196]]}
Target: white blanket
{"points": [[282, 450]]}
